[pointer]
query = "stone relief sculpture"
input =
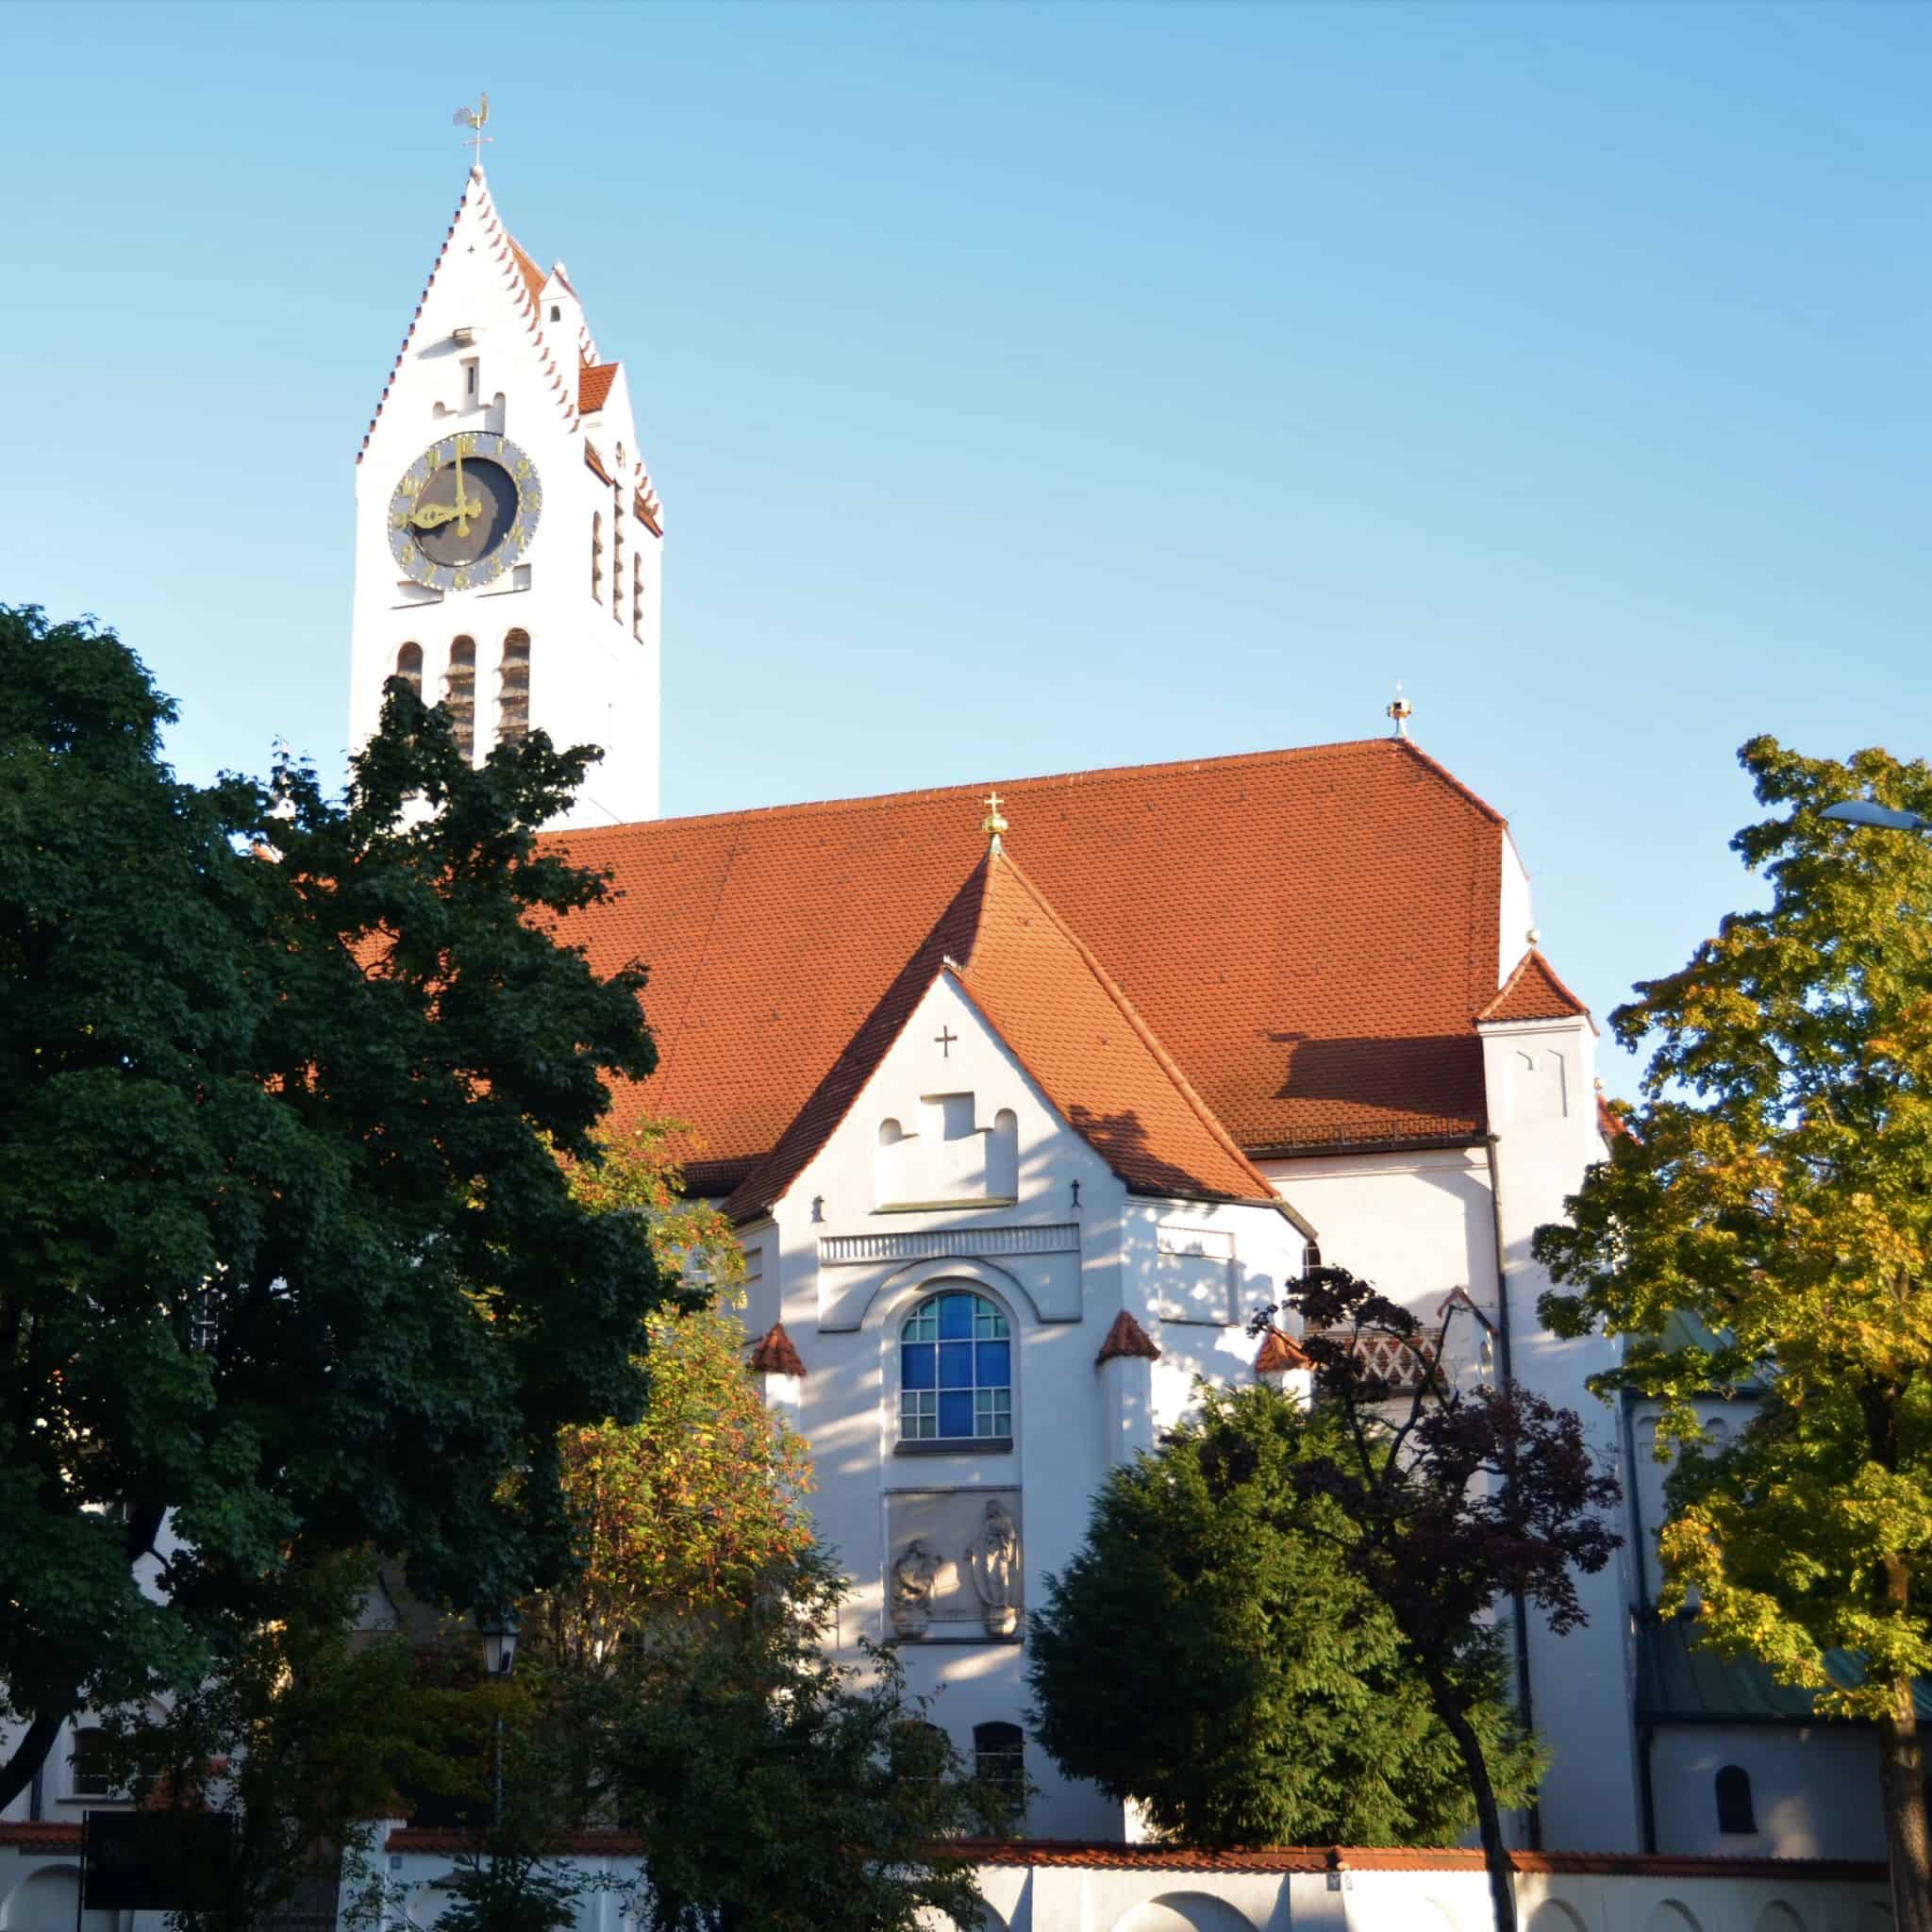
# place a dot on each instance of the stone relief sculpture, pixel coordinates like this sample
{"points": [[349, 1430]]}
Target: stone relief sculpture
{"points": [[913, 1575], [993, 1562]]}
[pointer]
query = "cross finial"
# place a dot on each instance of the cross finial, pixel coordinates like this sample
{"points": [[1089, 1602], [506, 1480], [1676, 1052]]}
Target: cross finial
{"points": [[1401, 710], [992, 825], [473, 118]]}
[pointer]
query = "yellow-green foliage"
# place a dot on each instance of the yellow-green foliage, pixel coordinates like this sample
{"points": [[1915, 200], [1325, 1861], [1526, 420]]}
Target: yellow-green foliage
{"points": [[1766, 1224]]}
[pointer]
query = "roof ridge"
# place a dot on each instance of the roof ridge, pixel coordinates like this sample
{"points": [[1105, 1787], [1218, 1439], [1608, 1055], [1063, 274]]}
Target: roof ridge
{"points": [[1094, 775], [1166, 1061]]}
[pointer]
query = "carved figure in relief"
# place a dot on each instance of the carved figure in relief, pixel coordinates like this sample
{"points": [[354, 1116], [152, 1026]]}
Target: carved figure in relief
{"points": [[915, 1572], [993, 1562]]}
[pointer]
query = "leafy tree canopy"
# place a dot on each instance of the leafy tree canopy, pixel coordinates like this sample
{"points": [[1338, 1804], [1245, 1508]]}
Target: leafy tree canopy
{"points": [[1211, 1653], [292, 1264], [1766, 1226], [693, 1506]]}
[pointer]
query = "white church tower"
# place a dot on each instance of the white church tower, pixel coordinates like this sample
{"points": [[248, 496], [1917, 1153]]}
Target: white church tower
{"points": [[509, 544]]}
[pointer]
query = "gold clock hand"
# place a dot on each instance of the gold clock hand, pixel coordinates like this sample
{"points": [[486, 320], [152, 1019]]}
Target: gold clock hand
{"points": [[462, 507], [432, 516]]}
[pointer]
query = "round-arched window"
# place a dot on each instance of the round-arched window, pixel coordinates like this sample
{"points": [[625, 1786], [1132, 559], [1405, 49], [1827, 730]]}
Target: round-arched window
{"points": [[955, 1371]]}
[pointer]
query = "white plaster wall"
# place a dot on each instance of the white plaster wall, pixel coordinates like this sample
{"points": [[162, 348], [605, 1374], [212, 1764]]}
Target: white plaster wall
{"points": [[1416, 1225], [1074, 1898], [1815, 1790], [1540, 1079], [1058, 1304], [590, 680], [1516, 915]]}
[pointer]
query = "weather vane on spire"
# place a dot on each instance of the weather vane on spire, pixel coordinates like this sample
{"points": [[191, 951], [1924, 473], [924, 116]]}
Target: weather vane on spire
{"points": [[1401, 710], [473, 118]]}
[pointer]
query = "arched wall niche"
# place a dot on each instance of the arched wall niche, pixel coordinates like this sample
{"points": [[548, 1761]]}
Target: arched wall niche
{"points": [[896, 1293], [1671, 1915], [1779, 1916], [1553, 1915], [48, 1901], [1184, 1912]]}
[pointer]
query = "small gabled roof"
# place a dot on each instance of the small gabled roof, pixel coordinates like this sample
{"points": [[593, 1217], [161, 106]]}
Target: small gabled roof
{"points": [[775, 1353], [1533, 992], [593, 385], [1126, 1341], [1070, 1026]]}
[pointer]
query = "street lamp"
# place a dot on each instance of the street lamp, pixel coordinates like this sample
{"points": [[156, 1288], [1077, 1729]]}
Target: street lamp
{"points": [[1867, 811], [499, 1629]]}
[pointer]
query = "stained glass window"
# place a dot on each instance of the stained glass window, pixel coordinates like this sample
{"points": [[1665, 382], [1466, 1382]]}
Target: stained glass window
{"points": [[955, 1371]]}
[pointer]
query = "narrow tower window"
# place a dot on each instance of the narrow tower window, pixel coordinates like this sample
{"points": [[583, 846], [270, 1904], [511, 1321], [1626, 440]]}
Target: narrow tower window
{"points": [[637, 595], [617, 556], [409, 667], [513, 689], [1735, 1817], [597, 553], [459, 695], [470, 378]]}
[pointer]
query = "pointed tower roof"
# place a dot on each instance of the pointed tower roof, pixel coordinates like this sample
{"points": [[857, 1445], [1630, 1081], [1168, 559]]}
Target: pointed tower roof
{"points": [[1533, 992], [1070, 1026], [522, 283]]}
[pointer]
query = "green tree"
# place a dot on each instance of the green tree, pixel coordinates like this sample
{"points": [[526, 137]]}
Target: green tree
{"points": [[777, 1790], [294, 1742], [291, 1262], [1768, 1222], [695, 1506], [1456, 1499], [1209, 1653]]}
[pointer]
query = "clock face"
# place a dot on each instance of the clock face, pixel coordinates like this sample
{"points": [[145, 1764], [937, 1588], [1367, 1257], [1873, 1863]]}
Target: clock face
{"points": [[464, 510]]}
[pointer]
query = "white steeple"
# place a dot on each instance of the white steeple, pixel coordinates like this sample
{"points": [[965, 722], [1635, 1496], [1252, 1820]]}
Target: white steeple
{"points": [[528, 593]]}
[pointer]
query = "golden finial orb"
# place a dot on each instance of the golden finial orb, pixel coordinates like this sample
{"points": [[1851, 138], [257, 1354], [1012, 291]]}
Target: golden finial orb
{"points": [[992, 825]]}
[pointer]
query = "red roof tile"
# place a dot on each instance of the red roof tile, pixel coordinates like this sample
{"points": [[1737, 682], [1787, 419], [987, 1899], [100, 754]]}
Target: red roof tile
{"points": [[533, 276], [1277, 1354], [593, 385], [1074, 1030], [1533, 992], [1306, 932], [1126, 1339], [775, 1353]]}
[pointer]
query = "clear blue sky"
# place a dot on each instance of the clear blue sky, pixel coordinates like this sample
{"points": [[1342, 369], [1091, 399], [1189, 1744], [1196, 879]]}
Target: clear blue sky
{"points": [[1037, 386]]}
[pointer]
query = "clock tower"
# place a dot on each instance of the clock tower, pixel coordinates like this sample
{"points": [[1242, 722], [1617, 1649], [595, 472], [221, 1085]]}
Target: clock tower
{"points": [[509, 544]]}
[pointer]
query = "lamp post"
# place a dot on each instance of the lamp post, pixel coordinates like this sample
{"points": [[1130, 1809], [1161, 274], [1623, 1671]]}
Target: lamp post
{"points": [[499, 1629]]}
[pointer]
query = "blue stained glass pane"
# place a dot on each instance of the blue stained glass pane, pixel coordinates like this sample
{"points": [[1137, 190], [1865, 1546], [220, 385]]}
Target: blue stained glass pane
{"points": [[995, 1364], [955, 1317], [916, 1365], [956, 1365], [956, 1414]]}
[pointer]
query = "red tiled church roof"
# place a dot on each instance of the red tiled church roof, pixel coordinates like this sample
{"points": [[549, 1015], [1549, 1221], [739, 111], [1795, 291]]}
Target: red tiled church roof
{"points": [[1533, 992], [1305, 932], [593, 385], [1073, 1029]]}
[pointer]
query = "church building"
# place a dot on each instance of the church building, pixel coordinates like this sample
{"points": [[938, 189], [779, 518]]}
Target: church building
{"points": [[1025, 1096], [1023, 1104]]}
